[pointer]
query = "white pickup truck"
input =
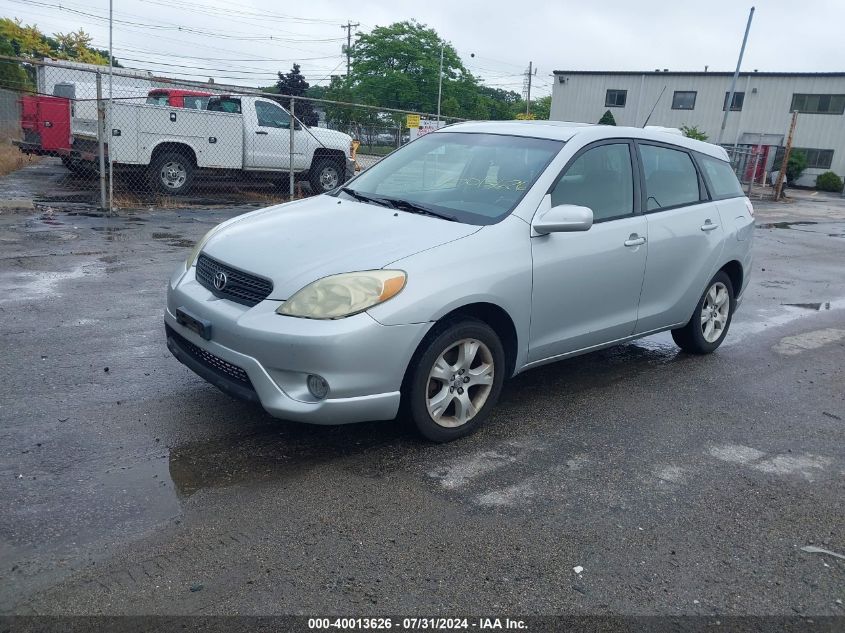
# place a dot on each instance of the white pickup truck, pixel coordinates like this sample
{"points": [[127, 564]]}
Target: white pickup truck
{"points": [[236, 136]]}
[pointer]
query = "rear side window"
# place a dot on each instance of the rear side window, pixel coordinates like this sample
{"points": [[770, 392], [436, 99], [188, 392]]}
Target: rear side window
{"points": [[195, 103], [158, 99], [225, 104], [720, 177], [670, 178]]}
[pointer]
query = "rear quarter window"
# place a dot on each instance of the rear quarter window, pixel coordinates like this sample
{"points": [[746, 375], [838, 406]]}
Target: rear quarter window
{"points": [[720, 177]]}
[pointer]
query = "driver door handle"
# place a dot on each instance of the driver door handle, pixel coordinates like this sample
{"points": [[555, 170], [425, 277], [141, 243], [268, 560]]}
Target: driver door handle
{"points": [[708, 225], [260, 132], [634, 240]]}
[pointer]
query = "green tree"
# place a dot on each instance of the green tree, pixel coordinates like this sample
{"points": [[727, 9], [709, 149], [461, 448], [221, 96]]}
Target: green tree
{"points": [[607, 118], [541, 108], [398, 66], [293, 84], [692, 131], [28, 41], [12, 75]]}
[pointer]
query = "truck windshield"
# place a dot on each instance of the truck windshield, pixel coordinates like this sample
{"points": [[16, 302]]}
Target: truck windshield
{"points": [[473, 178]]}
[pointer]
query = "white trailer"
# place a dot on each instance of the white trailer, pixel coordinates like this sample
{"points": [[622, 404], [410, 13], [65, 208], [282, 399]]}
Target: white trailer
{"points": [[78, 82]]}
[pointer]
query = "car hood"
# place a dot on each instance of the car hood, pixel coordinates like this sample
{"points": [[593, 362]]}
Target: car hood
{"points": [[297, 243], [332, 138]]}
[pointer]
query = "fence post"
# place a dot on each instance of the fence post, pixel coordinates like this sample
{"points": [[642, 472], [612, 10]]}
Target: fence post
{"points": [[101, 124], [753, 172], [292, 129]]}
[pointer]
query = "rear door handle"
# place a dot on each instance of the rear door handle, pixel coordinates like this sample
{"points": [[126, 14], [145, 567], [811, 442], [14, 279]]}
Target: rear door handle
{"points": [[708, 226], [260, 132], [634, 240]]}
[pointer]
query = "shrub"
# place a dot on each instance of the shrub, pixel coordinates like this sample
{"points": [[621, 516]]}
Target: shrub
{"points": [[795, 167], [828, 181], [607, 118], [692, 131]]}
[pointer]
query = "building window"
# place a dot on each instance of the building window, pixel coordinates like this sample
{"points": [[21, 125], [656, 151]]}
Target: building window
{"points": [[739, 99], [684, 100], [817, 158], [818, 104], [616, 98]]}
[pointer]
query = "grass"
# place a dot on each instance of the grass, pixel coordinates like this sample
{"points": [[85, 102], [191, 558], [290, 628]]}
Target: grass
{"points": [[11, 158], [375, 150]]}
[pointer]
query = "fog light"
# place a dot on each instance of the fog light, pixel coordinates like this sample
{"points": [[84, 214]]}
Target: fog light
{"points": [[318, 386]]}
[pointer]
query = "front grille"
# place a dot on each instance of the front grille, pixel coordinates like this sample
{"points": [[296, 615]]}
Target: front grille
{"points": [[241, 287], [222, 368]]}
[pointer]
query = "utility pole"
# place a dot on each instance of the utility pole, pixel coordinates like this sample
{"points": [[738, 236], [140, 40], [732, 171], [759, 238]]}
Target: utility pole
{"points": [[730, 101], [348, 27], [440, 80], [528, 97], [786, 152]]}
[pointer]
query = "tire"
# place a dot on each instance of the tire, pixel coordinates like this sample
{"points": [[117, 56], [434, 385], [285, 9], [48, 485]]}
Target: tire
{"points": [[709, 324], [448, 397], [171, 173], [77, 168], [325, 174]]}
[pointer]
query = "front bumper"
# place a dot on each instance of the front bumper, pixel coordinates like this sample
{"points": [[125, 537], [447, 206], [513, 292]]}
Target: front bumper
{"points": [[256, 354]]}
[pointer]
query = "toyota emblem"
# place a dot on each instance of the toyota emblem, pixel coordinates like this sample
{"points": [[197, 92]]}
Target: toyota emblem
{"points": [[220, 280]]}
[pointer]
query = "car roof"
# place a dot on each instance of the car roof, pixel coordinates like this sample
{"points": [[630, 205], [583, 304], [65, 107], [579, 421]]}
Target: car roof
{"points": [[585, 133]]}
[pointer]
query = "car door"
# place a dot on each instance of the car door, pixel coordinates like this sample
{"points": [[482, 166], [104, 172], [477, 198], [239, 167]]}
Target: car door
{"points": [[587, 284], [685, 235], [270, 138]]}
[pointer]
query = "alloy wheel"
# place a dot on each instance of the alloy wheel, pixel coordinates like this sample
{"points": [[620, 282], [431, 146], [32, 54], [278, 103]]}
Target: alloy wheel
{"points": [[714, 312], [460, 382]]}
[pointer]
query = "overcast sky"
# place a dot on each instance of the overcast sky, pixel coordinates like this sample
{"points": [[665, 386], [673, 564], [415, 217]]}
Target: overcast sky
{"points": [[230, 40]]}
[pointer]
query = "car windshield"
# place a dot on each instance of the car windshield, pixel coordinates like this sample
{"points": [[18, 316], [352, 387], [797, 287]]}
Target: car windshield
{"points": [[469, 177]]}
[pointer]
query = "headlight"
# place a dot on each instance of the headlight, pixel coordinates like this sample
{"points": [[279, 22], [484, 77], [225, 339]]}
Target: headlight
{"points": [[344, 295], [195, 251]]}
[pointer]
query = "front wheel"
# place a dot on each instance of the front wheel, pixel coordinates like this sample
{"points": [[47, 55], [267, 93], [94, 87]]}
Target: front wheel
{"points": [[712, 317], [325, 174], [456, 381]]}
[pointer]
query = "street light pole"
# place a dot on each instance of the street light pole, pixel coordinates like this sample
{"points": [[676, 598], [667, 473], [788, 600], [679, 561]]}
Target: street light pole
{"points": [[440, 81], [730, 98]]}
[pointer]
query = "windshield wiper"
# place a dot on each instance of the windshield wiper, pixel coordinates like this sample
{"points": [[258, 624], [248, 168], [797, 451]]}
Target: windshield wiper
{"points": [[413, 207], [365, 198]]}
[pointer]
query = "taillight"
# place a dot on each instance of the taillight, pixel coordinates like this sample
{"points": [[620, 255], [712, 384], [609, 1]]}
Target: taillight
{"points": [[750, 207]]}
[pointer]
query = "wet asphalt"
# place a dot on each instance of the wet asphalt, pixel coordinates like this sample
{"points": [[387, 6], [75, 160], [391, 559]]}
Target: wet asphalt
{"points": [[681, 485]]}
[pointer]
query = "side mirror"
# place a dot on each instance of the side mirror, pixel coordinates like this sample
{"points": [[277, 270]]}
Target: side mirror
{"points": [[564, 218]]}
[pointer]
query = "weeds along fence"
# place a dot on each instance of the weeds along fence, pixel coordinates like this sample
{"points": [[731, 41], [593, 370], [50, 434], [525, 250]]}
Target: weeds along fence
{"points": [[131, 138]]}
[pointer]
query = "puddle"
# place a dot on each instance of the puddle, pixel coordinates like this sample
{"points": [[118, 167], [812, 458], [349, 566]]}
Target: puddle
{"points": [[768, 318], [282, 450], [783, 225], [817, 307]]}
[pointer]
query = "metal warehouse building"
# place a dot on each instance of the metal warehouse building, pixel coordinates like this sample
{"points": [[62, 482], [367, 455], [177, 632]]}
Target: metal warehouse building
{"points": [[759, 118]]}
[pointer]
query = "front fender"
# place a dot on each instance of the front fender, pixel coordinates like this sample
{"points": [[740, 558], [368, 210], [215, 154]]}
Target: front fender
{"points": [[492, 265]]}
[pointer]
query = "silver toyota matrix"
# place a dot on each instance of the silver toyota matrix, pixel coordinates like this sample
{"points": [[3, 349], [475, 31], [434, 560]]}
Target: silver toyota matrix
{"points": [[470, 255]]}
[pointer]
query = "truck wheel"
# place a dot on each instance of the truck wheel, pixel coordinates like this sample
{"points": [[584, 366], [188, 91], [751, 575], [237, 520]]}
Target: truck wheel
{"points": [[325, 174], [171, 173], [77, 167]]}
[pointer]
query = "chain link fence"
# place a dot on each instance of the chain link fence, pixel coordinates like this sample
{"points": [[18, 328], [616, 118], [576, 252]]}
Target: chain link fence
{"points": [[128, 138]]}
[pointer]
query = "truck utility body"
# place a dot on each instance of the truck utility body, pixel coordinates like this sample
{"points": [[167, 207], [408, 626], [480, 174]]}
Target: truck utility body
{"points": [[235, 133]]}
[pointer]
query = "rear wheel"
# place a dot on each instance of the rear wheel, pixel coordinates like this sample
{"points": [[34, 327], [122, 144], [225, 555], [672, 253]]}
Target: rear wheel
{"points": [[172, 173], [325, 174], [712, 317], [456, 381]]}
